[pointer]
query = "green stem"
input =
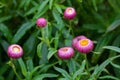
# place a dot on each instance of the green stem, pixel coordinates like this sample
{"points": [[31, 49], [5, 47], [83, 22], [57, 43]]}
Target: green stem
{"points": [[87, 67], [70, 23], [14, 69], [45, 39]]}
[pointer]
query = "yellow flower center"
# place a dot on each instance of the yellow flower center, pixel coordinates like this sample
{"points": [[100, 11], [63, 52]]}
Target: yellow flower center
{"points": [[16, 49], [69, 10], [64, 49], [84, 42]]}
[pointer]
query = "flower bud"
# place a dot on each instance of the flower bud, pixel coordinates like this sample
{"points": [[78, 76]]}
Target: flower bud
{"points": [[15, 51], [65, 52], [41, 22], [69, 13]]}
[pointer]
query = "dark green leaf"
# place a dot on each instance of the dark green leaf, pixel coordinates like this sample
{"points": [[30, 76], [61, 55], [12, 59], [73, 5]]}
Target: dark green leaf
{"points": [[22, 66], [50, 4], [4, 29], [51, 52], [22, 30], [113, 26], [63, 72], [114, 48], [2, 19], [108, 77], [42, 76], [79, 72], [39, 48]]}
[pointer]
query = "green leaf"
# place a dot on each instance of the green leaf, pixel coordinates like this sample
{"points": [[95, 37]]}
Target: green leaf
{"points": [[115, 65], [42, 76], [68, 42], [4, 44], [57, 17], [41, 7], [35, 69], [29, 63], [3, 69], [50, 4], [108, 77], [58, 8], [62, 79], [52, 51], [44, 53], [72, 65], [29, 45], [31, 11], [39, 48], [39, 14], [60, 24], [22, 66], [100, 68], [56, 40], [4, 29], [113, 26], [21, 31], [114, 48], [103, 41], [2, 19], [79, 71], [95, 4], [105, 63], [63, 72]]}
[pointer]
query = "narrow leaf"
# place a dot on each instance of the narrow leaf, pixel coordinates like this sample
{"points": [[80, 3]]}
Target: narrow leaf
{"points": [[41, 7], [79, 72], [39, 47], [50, 4], [47, 75], [51, 53], [115, 65], [7, 34], [114, 48], [21, 31], [58, 8], [108, 77], [63, 72], [23, 67], [113, 26]]}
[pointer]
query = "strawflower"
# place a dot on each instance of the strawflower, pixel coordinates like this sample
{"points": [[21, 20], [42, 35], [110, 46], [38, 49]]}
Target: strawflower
{"points": [[76, 39], [84, 45], [15, 51], [41, 22], [65, 52], [69, 13]]}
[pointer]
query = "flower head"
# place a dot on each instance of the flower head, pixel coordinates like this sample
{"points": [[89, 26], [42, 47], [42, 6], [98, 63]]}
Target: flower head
{"points": [[65, 52], [41, 22], [15, 51], [84, 45], [76, 39], [69, 13]]}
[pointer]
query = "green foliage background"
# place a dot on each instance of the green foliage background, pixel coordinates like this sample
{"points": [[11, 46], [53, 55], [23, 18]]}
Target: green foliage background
{"points": [[99, 20]]}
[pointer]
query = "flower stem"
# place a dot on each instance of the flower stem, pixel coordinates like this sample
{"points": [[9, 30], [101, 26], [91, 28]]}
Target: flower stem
{"points": [[14, 69], [87, 67], [45, 37], [70, 23]]}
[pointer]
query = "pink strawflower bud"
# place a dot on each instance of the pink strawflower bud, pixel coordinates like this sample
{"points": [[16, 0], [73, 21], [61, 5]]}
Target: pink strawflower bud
{"points": [[65, 52], [76, 39], [69, 13], [41, 22], [84, 45], [15, 51]]}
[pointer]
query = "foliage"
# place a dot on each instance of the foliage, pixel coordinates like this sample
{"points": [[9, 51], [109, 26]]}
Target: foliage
{"points": [[99, 20]]}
